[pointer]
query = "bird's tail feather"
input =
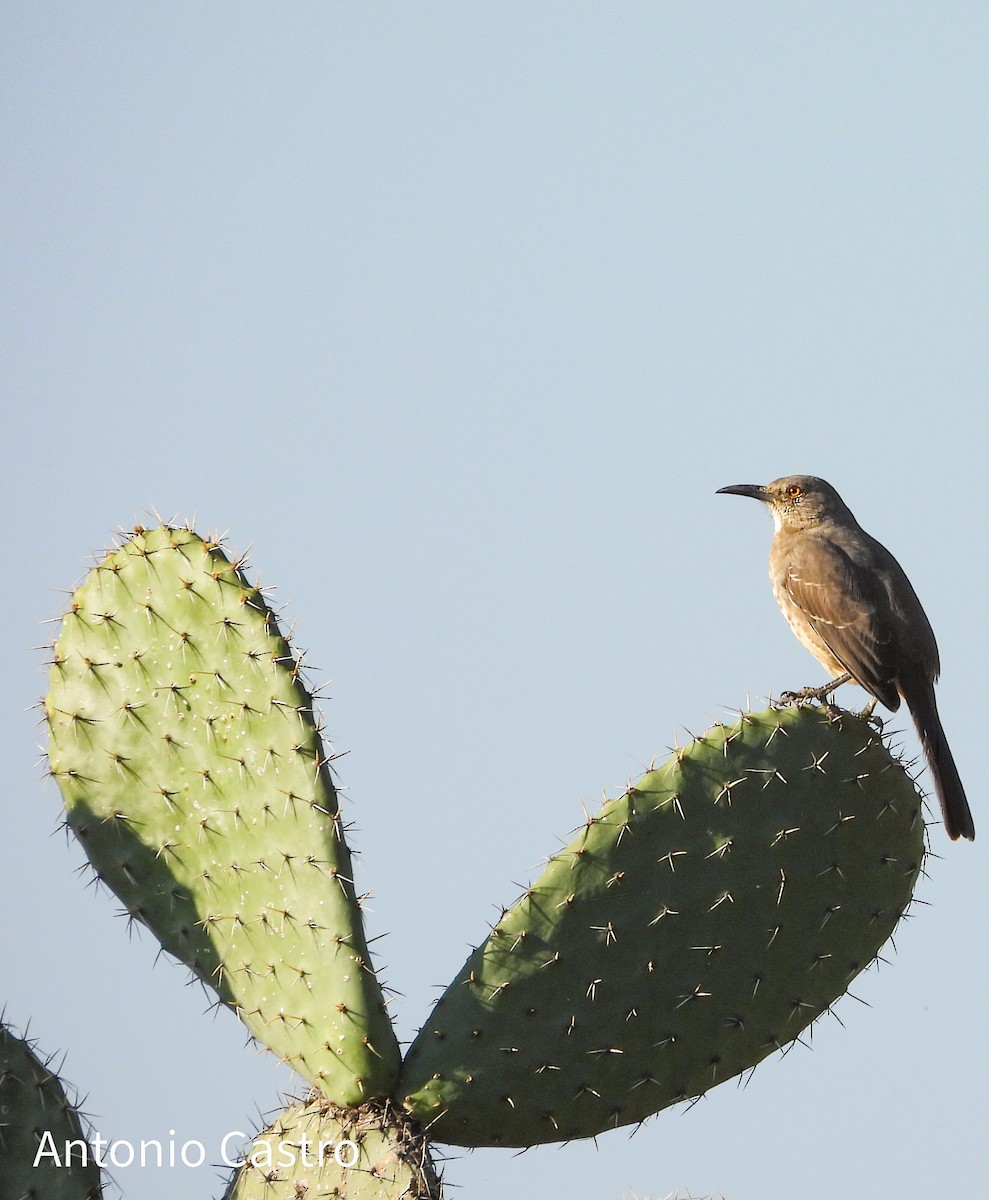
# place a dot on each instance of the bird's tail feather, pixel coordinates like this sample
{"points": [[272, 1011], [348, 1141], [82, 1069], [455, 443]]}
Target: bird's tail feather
{"points": [[947, 782]]}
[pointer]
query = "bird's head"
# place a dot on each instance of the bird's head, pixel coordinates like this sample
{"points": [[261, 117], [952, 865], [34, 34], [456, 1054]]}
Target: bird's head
{"points": [[795, 501]]}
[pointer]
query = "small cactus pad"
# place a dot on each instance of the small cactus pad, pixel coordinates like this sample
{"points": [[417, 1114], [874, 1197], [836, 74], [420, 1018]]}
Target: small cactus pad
{"points": [[44, 1151], [190, 760], [696, 924], [313, 1149]]}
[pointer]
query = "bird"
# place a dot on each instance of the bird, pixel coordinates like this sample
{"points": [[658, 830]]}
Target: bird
{"points": [[850, 603]]}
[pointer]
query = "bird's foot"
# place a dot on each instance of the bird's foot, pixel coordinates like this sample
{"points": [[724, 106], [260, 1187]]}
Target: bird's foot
{"points": [[805, 694], [821, 694], [869, 714]]}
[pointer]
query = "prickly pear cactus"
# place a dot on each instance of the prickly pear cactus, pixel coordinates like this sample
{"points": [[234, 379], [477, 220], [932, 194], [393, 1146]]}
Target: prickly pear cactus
{"points": [[695, 925], [44, 1151], [191, 764], [314, 1149]]}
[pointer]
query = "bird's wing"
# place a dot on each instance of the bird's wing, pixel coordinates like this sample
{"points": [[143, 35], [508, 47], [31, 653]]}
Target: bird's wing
{"points": [[843, 602]]}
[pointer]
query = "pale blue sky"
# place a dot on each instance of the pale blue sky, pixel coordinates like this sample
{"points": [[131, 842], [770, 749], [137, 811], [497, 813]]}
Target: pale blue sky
{"points": [[459, 314]]}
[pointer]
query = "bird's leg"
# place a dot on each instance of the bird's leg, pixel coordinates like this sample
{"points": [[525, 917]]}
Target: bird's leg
{"points": [[869, 714], [821, 694]]}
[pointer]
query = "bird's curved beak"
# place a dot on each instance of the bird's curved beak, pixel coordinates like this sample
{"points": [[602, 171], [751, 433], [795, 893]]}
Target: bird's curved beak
{"points": [[755, 490]]}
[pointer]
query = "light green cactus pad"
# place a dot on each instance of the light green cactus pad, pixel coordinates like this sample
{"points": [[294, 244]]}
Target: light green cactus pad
{"points": [[696, 924], [44, 1151], [190, 760], [314, 1149]]}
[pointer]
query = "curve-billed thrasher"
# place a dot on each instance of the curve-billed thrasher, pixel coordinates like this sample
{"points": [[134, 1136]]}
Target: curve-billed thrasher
{"points": [[850, 604]]}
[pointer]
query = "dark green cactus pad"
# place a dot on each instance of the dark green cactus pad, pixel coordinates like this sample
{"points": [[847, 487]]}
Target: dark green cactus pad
{"points": [[314, 1149], [44, 1151], [190, 760], [695, 925]]}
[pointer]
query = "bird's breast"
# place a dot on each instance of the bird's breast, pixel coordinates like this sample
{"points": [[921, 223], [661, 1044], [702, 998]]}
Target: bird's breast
{"points": [[803, 630]]}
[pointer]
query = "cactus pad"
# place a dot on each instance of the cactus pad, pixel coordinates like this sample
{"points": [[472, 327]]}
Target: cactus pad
{"points": [[696, 924], [190, 760], [313, 1149], [38, 1122]]}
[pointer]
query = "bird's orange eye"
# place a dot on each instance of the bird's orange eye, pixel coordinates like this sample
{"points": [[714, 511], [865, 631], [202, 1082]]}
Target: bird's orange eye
{"points": [[794, 490]]}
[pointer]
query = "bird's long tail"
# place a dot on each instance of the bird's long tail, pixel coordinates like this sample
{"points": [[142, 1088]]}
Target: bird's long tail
{"points": [[947, 782]]}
